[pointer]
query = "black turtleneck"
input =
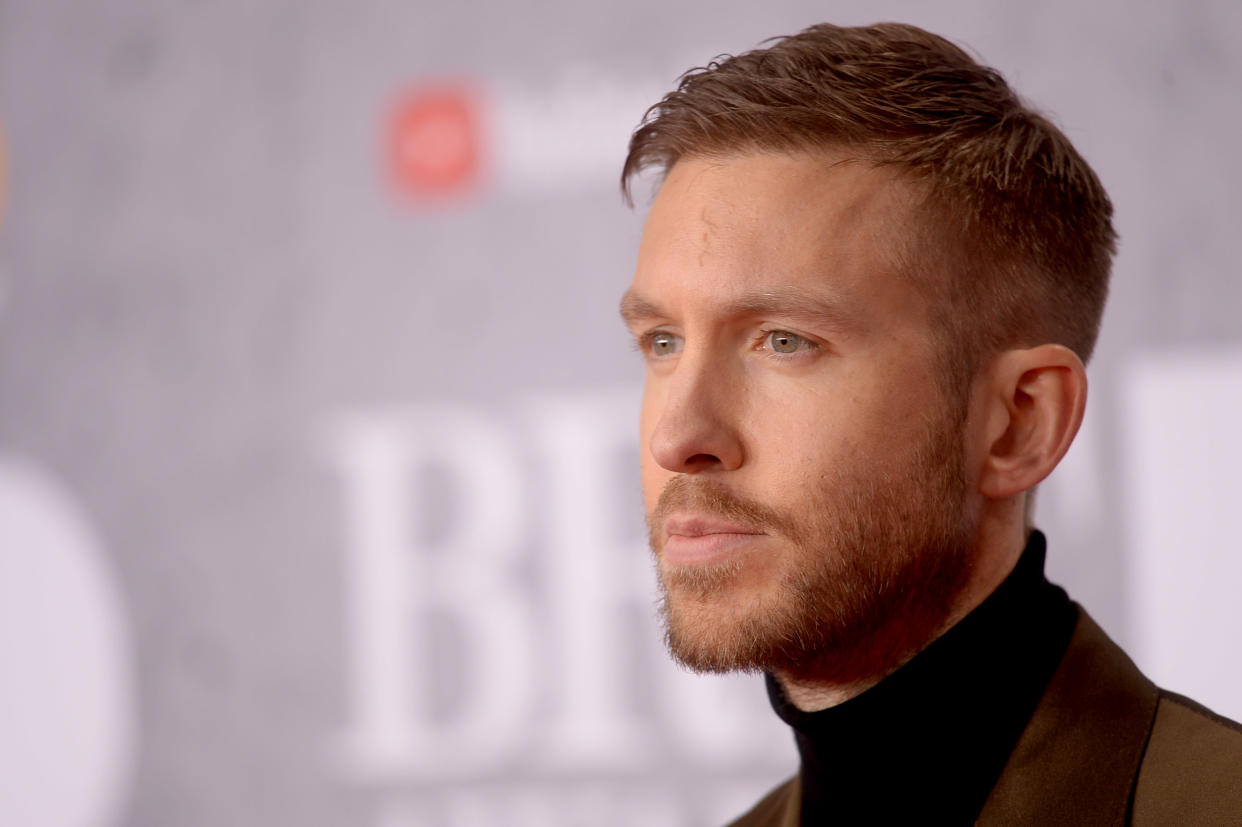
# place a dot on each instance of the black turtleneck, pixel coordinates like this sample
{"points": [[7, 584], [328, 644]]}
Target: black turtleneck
{"points": [[928, 743]]}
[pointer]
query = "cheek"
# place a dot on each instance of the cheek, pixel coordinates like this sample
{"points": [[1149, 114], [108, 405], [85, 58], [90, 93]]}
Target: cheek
{"points": [[804, 437], [801, 430]]}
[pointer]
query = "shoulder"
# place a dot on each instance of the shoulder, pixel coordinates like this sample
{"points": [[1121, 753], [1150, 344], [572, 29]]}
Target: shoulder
{"points": [[1105, 745], [1192, 767], [779, 808], [1077, 760]]}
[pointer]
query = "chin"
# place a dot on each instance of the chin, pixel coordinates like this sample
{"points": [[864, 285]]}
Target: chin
{"points": [[717, 618]]}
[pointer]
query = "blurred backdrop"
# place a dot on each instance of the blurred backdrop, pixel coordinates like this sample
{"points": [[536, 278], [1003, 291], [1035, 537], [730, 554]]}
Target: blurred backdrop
{"points": [[318, 492]]}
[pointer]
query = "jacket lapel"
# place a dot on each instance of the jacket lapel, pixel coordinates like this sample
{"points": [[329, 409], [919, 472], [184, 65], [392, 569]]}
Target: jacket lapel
{"points": [[1077, 760], [779, 808]]}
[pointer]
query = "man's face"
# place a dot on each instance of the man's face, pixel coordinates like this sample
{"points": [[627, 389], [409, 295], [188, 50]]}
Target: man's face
{"points": [[801, 467]]}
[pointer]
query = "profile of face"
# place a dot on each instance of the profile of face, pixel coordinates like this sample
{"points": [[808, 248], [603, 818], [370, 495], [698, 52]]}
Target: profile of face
{"points": [[802, 465]]}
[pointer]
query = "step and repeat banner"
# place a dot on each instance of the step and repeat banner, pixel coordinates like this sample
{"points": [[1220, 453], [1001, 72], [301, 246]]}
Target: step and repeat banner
{"points": [[318, 490]]}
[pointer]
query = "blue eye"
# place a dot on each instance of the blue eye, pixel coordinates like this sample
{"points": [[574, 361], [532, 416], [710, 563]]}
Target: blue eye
{"points": [[782, 341], [664, 344]]}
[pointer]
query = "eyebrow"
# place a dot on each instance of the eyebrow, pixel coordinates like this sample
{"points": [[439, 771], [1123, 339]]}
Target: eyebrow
{"points": [[831, 311], [636, 308]]}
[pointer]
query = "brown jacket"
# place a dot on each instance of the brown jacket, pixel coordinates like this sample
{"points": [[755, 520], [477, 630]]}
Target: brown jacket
{"points": [[1105, 746]]}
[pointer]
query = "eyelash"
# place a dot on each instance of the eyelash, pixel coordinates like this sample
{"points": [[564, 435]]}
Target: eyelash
{"points": [[643, 344], [806, 345]]}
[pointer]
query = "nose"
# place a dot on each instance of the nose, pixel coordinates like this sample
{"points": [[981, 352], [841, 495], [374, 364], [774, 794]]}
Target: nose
{"points": [[696, 413]]}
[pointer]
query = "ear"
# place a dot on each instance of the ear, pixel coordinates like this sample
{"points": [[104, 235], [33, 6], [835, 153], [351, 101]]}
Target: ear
{"points": [[1035, 401]]}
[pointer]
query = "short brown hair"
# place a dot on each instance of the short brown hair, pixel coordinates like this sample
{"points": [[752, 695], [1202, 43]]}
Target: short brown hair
{"points": [[1012, 211]]}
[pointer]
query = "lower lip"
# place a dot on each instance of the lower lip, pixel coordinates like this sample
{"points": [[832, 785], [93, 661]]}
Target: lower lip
{"points": [[705, 548]]}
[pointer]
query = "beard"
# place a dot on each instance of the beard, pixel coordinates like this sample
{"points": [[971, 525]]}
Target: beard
{"points": [[867, 569]]}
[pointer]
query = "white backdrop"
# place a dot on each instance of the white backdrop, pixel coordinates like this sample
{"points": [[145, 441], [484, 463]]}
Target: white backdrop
{"points": [[318, 501]]}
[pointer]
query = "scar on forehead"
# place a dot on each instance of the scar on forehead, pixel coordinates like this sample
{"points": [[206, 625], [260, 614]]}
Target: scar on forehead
{"points": [[709, 229]]}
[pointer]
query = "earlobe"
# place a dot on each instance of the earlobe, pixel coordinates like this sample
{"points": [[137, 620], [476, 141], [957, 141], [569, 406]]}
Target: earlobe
{"points": [[1036, 401]]}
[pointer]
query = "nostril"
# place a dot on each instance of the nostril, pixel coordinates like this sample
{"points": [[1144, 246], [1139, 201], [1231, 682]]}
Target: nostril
{"points": [[690, 440]]}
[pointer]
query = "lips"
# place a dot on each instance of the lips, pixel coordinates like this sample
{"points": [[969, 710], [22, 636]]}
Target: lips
{"points": [[701, 539]]}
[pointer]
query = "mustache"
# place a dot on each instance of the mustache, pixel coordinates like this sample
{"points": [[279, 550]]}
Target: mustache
{"points": [[684, 493]]}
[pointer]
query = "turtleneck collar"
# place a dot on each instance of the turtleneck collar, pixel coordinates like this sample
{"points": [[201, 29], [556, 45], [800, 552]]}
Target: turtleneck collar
{"points": [[929, 741]]}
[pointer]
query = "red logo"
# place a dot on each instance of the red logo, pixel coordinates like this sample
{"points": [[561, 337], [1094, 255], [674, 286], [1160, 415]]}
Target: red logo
{"points": [[435, 141]]}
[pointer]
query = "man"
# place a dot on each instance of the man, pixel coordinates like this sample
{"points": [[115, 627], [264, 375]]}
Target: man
{"points": [[865, 293]]}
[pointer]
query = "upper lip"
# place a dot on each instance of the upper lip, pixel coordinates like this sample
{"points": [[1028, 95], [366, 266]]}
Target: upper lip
{"points": [[689, 525]]}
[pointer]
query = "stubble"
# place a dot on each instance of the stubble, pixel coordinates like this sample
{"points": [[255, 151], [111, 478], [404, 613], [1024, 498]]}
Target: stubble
{"points": [[867, 569]]}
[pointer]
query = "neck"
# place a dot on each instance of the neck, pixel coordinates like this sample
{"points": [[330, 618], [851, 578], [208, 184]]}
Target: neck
{"points": [[941, 729], [998, 543]]}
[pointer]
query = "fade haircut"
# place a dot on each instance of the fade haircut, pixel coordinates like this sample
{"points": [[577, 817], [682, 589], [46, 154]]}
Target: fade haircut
{"points": [[1011, 237]]}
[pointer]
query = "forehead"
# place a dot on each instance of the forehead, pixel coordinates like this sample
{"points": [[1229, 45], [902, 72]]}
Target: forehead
{"points": [[821, 221]]}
